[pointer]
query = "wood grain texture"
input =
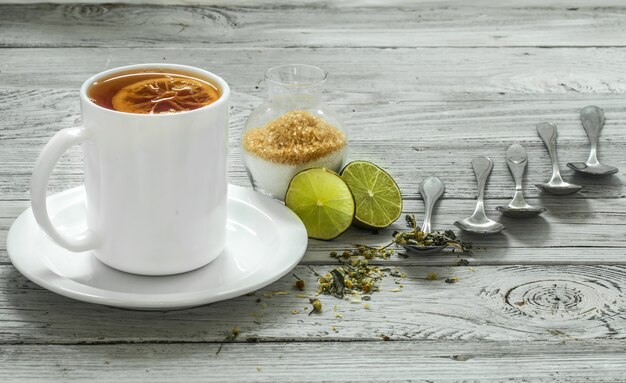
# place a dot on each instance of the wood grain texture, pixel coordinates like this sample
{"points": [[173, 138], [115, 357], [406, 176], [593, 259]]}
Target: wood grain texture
{"points": [[405, 165], [319, 362], [351, 3], [549, 239], [115, 25], [488, 303], [423, 86], [410, 123], [357, 76]]}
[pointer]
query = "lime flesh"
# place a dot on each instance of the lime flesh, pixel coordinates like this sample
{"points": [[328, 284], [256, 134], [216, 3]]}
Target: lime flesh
{"points": [[377, 196], [323, 202]]}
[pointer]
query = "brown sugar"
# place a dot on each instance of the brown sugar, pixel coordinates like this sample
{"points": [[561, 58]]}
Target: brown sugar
{"points": [[295, 138]]}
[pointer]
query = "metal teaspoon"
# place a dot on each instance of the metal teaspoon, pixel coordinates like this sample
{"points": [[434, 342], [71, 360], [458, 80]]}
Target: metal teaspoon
{"points": [[556, 185], [592, 118], [431, 189], [479, 223], [517, 159]]}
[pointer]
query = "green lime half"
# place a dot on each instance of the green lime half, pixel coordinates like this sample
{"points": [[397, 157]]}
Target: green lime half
{"points": [[377, 196], [323, 202]]}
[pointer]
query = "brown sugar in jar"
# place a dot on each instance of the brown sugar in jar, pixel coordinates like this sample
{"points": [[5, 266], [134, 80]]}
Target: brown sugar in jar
{"points": [[295, 141]]}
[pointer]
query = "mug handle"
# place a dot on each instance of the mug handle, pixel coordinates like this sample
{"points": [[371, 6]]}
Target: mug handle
{"points": [[48, 158]]}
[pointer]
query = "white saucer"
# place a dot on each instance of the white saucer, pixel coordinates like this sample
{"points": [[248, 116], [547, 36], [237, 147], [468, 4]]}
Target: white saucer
{"points": [[265, 241]]}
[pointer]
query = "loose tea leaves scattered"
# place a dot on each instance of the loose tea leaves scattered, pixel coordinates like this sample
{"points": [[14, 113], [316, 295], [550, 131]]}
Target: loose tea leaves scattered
{"points": [[367, 252], [436, 238], [357, 278]]}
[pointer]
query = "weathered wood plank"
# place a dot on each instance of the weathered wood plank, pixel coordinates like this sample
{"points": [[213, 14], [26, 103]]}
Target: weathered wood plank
{"points": [[351, 3], [449, 98], [554, 239], [488, 303], [433, 75], [307, 362], [114, 25], [411, 141], [318, 254], [551, 239], [408, 169]]}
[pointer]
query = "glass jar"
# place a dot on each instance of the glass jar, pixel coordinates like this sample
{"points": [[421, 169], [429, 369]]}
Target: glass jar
{"points": [[292, 130]]}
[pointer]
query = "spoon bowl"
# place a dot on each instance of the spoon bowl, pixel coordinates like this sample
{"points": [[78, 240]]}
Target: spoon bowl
{"points": [[520, 212], [487, 226], [563, 188], [592, 170], [424, 250]]}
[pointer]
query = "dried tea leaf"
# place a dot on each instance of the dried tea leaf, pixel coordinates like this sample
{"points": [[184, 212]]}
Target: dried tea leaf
{"points": [[235, 331], [410, 221], [300, 284], [432, 276], [338, 282], [317, 305]]}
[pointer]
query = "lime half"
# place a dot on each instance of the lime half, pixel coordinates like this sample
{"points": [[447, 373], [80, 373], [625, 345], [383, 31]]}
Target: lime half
{"points": [[323, 202], [377, 196]]}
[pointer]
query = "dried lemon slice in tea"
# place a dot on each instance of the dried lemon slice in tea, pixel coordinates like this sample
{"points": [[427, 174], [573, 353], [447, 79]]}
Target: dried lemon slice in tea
{"points": [[377, 196], [164, 95], [323, 202]]}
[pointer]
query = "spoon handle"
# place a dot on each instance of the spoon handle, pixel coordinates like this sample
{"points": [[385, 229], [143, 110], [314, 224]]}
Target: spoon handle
{"points": [[547, 132], [592, 118], [516, 160], [431, 189], [482, 168]]}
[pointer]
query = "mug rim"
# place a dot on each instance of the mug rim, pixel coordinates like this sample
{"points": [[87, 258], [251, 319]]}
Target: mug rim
{"points": [[220, 82]]}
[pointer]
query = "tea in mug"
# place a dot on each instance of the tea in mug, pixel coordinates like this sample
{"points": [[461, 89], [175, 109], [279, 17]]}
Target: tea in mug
{"points": [[149, 91]]}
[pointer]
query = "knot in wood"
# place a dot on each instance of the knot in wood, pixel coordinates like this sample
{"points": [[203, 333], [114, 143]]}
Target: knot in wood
{"points": [[556, 300], [84, 11]]}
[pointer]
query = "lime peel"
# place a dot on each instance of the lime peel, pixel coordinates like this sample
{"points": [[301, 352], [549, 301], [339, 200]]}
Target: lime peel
{"points": [[323, 201], [378, 198]]}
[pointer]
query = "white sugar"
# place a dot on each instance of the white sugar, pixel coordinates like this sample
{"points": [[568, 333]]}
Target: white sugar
{"points": [[273, 178]]}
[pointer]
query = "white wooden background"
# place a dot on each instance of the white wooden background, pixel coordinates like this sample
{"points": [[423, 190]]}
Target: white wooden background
{"points": [[423, 86]]}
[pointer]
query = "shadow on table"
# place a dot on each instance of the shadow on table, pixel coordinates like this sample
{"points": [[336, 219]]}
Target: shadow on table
{"points": [[41, 316], [603, 186], [541, 230], [529, 231]]}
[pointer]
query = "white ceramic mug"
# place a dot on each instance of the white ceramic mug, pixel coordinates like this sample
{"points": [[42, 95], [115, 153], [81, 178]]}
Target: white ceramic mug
{"points": [[155, 185]]}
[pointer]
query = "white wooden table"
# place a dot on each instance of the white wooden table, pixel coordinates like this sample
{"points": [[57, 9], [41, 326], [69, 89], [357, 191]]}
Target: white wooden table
{"points": [[423, 86]]}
